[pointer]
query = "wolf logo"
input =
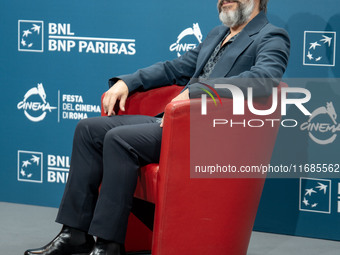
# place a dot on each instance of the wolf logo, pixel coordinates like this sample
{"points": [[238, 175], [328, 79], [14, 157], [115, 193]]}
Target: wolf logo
{"points": [[328, 131], [183, 47]]}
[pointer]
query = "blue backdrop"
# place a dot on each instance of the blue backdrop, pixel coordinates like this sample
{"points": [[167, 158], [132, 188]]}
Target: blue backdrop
{"points": [[56, 58]]}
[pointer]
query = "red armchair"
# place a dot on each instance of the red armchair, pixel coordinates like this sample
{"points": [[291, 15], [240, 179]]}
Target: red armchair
{"points": [[196, 215]]}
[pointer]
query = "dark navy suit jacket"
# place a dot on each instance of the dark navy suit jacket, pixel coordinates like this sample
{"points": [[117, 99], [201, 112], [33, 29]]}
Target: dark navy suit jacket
{"points": [[257, 58]]}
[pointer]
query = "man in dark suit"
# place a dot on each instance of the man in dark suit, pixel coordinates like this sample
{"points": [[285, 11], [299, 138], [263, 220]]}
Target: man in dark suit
{"points": [[108, 151]]}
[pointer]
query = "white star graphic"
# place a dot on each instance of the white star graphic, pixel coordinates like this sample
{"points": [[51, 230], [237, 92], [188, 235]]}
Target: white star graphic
{"points": [[314, 45], [26, 33], [36, 28], [310, 191], [35, 159], [310, 56], [327, 40], [305, 201], [23, 42], [322, 187], [26, 163]]}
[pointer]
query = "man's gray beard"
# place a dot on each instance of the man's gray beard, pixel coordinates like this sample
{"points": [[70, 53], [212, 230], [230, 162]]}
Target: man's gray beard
{"points": [[239, 16]]}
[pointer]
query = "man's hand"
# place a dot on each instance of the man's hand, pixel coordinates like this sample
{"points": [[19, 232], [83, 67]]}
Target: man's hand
{"points": [[119, 91], [183, 96]]}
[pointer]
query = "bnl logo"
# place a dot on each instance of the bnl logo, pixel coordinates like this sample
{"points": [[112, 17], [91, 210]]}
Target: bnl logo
{"points": [[30, 166], [30, 35], [319, 48], [315, 195]]}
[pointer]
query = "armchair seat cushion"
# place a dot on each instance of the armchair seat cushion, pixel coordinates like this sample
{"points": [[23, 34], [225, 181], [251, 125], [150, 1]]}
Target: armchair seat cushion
{"points": [[147, 183]]}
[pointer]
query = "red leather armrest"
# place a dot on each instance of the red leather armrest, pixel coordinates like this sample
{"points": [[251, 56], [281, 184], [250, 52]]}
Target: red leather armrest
{"points": [[151, 102]]}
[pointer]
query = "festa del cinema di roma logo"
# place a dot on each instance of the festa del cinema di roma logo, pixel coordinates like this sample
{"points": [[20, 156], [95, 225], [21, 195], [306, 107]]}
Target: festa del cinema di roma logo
{"points": [[34, 104], [36, 107], [322, 125], [185, 40], [62, 39]]}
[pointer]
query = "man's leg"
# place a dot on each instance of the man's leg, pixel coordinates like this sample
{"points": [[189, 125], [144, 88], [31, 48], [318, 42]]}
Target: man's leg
{"points": [[86, 174], [86, 170], [126, 148]]}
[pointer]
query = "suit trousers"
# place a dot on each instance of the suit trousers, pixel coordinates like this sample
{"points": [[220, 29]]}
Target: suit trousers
{"points": [[107, 155]]}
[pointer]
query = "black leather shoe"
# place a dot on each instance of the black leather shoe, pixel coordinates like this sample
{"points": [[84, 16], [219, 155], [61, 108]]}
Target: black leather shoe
{"points": [[68, 242], [108, 248]]}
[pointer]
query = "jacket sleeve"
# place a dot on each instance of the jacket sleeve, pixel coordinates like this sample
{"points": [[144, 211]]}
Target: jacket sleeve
{"points": [[271, 60], [178, 71]]}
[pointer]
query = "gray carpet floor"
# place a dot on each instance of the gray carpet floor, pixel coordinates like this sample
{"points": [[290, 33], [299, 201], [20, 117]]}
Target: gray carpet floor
{"points": [[24, 226]]}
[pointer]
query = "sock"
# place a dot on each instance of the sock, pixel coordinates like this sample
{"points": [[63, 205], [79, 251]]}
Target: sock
{"points": [[78, 237]]}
